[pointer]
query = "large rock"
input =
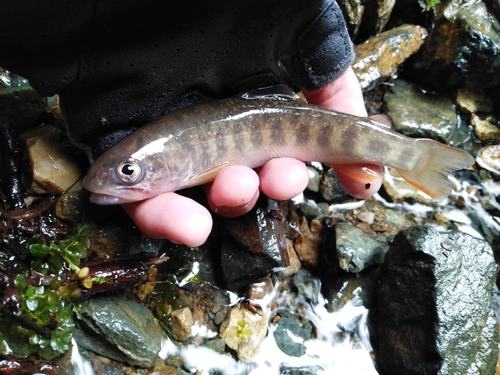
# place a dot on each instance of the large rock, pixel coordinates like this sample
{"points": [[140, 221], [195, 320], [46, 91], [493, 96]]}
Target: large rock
{"points": [[379, 57], [121, 329], [463, 48], [434, 313], [417, 114]]}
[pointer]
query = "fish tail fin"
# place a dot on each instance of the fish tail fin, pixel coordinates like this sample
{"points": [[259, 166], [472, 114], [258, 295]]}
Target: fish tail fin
{"points": [[431, 176]]}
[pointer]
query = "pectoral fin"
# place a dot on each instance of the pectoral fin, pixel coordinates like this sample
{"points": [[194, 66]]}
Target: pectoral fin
{"points": [[208, 175]]}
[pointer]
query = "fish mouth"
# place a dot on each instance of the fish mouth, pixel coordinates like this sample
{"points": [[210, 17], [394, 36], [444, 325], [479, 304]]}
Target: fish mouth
{"points": [[106, 199]]}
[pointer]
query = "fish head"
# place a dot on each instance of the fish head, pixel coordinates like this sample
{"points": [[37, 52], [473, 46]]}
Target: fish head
{"points": [[132, 171]]}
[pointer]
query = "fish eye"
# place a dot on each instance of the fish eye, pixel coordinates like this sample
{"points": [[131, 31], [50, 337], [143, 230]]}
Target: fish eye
{"points": [[129, 171]]}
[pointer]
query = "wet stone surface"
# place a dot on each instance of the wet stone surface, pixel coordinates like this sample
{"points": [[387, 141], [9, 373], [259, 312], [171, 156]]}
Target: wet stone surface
{"points": [[462, 49], [417, 337], [131, 332], [418, 115], [356, 250], [379, 57]]}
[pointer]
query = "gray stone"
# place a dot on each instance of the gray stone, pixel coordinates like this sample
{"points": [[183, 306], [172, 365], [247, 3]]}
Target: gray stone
{"points": [[356, 250], [434, 313], [126, 327], [310, 209], [218, 345], [308, 287], [290, 335], [313, 184], [330, 187], [420, 115]]}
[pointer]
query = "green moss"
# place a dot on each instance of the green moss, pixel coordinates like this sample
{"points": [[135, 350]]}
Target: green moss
{"points": [[431, 3], [41, 302]]}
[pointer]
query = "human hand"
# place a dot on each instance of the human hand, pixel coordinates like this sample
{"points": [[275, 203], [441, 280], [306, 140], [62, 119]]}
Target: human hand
{"points": [[235, 190]]}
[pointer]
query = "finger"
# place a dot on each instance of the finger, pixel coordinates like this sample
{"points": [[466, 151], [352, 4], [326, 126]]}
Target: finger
{"points": [[361, 181], [283, 178], [343, 94], [172, 216], [234, 191]]}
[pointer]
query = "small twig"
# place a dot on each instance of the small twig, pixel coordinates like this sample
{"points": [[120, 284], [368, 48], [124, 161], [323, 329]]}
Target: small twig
{"points": [[28, 323]]}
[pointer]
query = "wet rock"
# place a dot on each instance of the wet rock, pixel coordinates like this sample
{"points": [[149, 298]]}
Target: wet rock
{"points": [[219, 345], [473, 100], [379, 57], [306, 245], [294, 261], [435, 294], [240, 267], [261, 231], [290, 335], [489, 158], [184, 259], [54, 171], [420, 115], [353, 13], [330, 187], [308, 287], [355, 249], [121, 329], [260, 289], [108, 241], [182, 322], [244, 330], [462, 49], [313, 184], [366, 18], [23, 108], [312, 209], [71, 206], [483, 129]]}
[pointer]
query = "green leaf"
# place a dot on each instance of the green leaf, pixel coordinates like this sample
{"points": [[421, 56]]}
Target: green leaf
{"points": [[40, 250]]}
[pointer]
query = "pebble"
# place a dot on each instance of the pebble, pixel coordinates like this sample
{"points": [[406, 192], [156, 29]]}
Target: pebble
{"points": [[244, 330], [54, 171], [473, 100], [483, 129], [489, 158], [356, 250], [260, 289], [182, 322], [313, 184]]}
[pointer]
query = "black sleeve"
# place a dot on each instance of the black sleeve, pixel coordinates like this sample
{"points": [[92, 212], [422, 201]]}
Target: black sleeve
{"points": [[117, 66]]}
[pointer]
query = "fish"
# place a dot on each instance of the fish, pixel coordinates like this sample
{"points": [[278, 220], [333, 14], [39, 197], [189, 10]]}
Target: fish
{"points": [[190, 146]]}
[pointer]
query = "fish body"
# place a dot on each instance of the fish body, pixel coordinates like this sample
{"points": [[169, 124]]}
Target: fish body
{"points": [[188, 147]]}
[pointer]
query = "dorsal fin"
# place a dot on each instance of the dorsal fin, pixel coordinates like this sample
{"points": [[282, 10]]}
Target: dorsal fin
{"points": [[278, 92]]}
